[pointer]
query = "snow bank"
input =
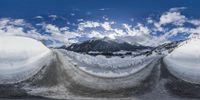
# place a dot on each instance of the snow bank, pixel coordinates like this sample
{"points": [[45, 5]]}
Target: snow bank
{"points": [[184, 61], [20, 58]]}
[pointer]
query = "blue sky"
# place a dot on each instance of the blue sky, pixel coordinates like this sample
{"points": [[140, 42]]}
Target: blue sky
{"points": [[122, 8], [165, 20]]}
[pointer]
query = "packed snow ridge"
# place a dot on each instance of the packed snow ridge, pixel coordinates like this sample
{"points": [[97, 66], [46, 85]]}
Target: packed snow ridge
{"points": [[184, 61], [21, 58]]}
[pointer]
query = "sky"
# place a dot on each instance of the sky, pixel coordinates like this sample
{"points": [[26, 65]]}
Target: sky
{"points": [[58, 22]]}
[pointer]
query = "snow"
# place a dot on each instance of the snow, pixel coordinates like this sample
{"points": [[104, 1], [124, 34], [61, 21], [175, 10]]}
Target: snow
{"points": [[109, 67], [184, 61], [121, 52], [102, 77], [20, 58]]}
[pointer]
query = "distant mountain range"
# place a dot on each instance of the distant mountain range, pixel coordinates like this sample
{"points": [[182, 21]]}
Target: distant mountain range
{"points": [[103, 45], [113, 48]]}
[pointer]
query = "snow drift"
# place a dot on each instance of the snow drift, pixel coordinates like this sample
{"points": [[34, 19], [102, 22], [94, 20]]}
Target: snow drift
{"points": [[21, 58], [184, 61]]}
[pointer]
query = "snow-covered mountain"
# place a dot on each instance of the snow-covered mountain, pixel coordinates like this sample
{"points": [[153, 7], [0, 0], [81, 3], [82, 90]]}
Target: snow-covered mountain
{"points": [[104, 46], [184, 61], [166, 48]]}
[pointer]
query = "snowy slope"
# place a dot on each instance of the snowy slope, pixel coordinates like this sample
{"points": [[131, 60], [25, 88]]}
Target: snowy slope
{"points": [[109, 67], [166, 48], [20, 58], [184, 61]]}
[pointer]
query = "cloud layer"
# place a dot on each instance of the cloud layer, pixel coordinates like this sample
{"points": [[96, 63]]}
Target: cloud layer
{"points": [[169, 25]]}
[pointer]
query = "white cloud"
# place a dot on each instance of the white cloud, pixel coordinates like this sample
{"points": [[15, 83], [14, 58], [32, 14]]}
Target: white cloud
{"points": [[183, 30], [177, 9], [194, 21], [139, 29], [172, 17], [150, 20], [52, 29], [95, 34], [175, 31], [72, 14], [103, 9], [61, 34], [39, 17], [54, 17], [16, 27], [139, 33], [91, 24], [107, 25], [136, 34], [172, 23], [80, 20], [88, 24], [105, 18]]}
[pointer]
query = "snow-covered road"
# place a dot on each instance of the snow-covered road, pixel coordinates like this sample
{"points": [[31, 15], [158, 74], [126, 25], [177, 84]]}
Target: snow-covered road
{"points": [[55, 81], [94, 81], [74, 85], [40, 72]]}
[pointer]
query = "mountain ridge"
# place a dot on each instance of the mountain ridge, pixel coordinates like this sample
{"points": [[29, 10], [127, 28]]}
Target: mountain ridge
{"points": [[103, 45]]}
